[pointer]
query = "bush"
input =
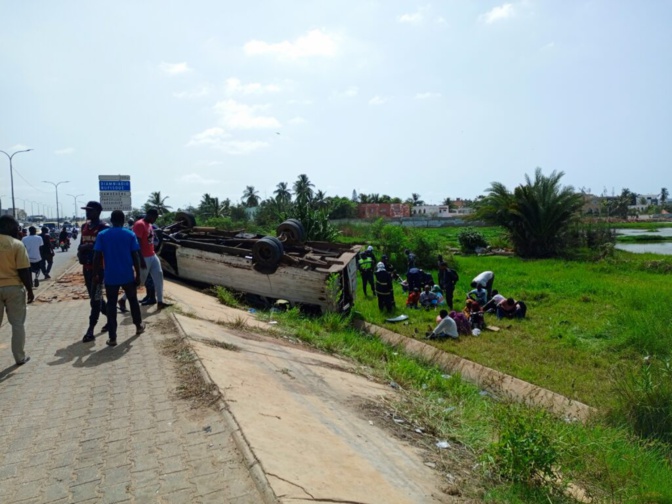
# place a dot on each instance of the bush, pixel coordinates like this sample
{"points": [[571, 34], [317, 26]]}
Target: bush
{"points": [[644, 397], [470, 239], [527, 449], [425, 247]]}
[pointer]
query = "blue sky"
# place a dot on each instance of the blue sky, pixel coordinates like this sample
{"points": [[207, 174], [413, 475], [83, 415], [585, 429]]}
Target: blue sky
{"points": [[388, 97]]}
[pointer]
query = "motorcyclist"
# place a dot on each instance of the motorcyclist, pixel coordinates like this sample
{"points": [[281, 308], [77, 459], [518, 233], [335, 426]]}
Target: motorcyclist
{"points": [[64, 238]]}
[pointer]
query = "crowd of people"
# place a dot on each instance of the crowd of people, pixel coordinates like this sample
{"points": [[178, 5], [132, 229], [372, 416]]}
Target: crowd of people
{"points": [[424, 293], [113, 258]]}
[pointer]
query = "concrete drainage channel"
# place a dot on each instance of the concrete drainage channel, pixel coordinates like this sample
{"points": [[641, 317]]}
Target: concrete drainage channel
{"points": [[498, 383]]}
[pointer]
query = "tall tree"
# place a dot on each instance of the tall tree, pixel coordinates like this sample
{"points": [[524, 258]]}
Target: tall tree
{"points": [[156, 201], [320, 199], [282, 193], [415, 200], [663, 196], [211, 207], [250, 197], [303, 189], [537, 214]]}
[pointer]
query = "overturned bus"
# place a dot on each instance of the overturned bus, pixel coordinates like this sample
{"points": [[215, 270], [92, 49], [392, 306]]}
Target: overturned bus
{"points": [[286, 266]]}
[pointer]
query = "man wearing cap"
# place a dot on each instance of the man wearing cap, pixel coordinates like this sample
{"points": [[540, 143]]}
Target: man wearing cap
{"points": [[90, 231], [15, 283]]}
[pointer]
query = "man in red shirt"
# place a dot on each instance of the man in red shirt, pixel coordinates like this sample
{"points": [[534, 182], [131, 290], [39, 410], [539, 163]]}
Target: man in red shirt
{"points": [[90, 232], [149, 262]]}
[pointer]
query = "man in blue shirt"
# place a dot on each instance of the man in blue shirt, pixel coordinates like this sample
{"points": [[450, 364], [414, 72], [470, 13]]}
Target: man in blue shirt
{"points": [[120, 250]]}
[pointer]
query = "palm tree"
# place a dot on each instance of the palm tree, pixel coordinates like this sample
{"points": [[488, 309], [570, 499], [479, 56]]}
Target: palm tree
{"points": [[536, 214], [282, 193], [250, 197], [303, 189], [414, 200], [320, 199], [211, 207], [364, 198], [156, 201]]}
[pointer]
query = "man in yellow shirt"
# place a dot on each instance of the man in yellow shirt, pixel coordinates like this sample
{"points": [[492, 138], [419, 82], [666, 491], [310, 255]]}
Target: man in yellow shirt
{"points": [[15, 282]]}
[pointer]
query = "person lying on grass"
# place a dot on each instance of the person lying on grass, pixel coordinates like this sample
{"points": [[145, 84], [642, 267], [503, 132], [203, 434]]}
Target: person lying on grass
{"points": [[511, 308]]}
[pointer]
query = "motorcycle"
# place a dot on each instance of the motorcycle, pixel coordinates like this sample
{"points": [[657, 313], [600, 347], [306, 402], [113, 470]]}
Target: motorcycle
{"points": [[65, 245]]}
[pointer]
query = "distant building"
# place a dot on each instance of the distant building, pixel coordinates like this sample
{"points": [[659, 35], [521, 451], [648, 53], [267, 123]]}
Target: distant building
{"points": [[431, 211], [385, 210]]}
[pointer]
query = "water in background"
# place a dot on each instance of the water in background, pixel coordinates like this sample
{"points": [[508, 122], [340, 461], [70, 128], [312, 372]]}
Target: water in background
{"points": [[664, 248]]}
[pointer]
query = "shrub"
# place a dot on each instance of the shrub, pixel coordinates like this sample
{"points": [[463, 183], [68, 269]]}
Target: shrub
{"points": [[644, 398], [425, 247], [527, 449], [470, 239]]}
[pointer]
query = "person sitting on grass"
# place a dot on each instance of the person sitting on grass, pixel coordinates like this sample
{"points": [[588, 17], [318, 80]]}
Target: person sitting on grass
{"points": [[445, 329], [510, 308], [462, 322], [428, 298], [413, 299], [440, 300]]}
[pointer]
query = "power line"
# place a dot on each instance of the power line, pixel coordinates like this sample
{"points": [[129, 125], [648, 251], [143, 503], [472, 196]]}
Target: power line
{"points": [[31, 185]]}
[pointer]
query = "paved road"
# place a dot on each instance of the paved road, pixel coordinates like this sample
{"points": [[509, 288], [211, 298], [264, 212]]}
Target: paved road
{"points": [[90, 423]]}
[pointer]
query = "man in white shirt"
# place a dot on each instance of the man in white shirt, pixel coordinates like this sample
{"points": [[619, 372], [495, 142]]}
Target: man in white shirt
{"points": [[447, 328], [491, 306], [33, 243]]}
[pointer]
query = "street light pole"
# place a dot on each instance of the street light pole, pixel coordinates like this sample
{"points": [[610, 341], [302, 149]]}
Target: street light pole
{"points": [[56, 184], [11, 176], [75, 198]]}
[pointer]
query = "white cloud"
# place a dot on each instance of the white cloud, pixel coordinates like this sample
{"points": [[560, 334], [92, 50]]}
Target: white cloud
{"points": [[211, 136], [314, 43], [234, 86], [377, 100], [349, 92], [17, 147], [499, 13], [295, 121], [218, 138], [548, 46], [174, 68], [425, 96], [195, 178], [236, 115], [241, 147], [414, 18], [294, 101], [198, 92], [65, 151]]}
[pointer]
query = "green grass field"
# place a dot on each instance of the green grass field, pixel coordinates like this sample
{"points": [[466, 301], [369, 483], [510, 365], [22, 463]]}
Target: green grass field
{"points": [[583, 319]]}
